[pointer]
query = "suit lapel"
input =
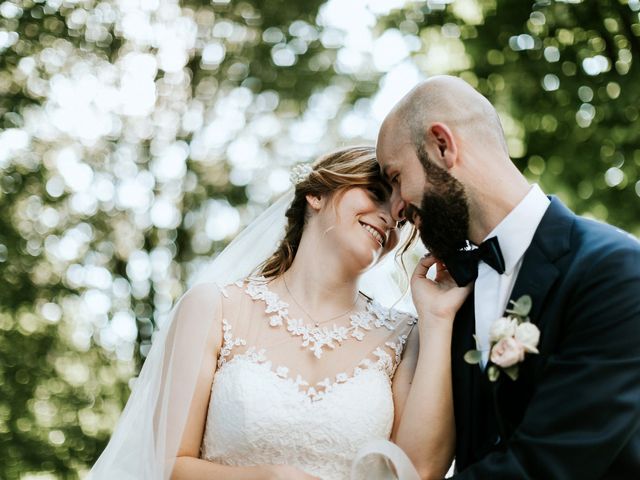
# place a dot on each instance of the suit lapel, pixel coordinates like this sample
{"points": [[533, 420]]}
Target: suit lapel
{"points": [[536, 278], [538, 271]]}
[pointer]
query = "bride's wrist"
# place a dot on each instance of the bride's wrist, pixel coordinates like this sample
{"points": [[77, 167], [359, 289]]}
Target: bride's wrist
{"points": [[435, 324]]}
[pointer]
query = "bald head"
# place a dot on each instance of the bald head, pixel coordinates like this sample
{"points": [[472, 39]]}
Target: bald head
{"points": [[443, 142], [451, 101]]}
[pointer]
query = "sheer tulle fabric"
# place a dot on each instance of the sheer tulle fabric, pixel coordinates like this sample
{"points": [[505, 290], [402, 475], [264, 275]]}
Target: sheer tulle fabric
{"points": [[148, 433], [256, 313]]}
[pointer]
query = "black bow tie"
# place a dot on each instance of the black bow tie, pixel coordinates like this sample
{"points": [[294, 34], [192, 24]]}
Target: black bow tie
{"points": [[463, 265]]}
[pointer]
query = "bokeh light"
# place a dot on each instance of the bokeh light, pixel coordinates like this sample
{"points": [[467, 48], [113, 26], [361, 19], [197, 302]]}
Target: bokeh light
{"points": [[138, 137]]}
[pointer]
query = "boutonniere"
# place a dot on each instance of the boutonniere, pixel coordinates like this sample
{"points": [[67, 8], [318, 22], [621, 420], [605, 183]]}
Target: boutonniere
{"points": [[510, 338]]}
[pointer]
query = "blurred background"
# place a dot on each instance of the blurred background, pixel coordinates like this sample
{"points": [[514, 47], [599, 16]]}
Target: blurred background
{"points": [[138, 136]]}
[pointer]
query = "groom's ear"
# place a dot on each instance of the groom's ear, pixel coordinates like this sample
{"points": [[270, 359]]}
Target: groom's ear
{"points": [[443, 148]]}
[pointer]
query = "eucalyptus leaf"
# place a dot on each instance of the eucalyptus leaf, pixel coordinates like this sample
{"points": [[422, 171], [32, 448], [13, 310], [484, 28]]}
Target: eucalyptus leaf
{"points": [[493, 373], [473, 357], [512, 372], [475, 337], [522, 306]]}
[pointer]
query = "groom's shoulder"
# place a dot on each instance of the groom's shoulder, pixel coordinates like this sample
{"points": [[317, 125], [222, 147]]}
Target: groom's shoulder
{"points": [[598, 235], [585, 232], [597, 243], [584, 241]]}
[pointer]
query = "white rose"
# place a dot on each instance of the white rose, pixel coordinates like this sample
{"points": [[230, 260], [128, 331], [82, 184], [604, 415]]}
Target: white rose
{"points": [[529, 336], [507, 352], [502, 328]]}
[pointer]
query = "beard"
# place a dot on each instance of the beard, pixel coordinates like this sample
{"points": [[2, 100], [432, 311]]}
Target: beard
{"points": [[443, 212]]}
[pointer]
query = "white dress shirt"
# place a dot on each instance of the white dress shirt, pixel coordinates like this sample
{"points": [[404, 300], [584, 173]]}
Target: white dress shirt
{"points": [[492, 290]]}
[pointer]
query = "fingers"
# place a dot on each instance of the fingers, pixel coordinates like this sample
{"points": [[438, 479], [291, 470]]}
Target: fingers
{"points": [[424, 265], [444, 277], [442, 274]]}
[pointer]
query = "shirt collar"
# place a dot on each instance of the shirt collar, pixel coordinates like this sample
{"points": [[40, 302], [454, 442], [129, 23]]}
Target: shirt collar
{"points": [[515, 232]]}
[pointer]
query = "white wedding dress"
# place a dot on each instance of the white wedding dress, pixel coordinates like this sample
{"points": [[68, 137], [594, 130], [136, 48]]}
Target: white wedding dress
{"points": [[289, 392]]}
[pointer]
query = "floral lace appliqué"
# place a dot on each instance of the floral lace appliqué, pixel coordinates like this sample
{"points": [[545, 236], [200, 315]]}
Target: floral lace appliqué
{"points": [[228, 342], [315, 338], [318, 391]]}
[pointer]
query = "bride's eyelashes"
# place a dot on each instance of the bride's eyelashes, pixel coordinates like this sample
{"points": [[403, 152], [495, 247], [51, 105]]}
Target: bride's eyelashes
{"points": [[381, 192], [378, 194], [410, 212]]}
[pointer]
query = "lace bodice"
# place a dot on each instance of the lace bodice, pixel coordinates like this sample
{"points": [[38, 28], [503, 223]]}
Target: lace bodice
{"points": [[290, 393]]}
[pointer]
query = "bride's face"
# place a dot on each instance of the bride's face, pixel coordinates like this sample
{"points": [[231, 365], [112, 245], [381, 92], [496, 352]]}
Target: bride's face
{"points": [[359, 224]]}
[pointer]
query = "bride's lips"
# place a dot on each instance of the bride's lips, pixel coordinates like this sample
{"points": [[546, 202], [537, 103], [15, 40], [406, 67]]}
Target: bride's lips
{"points": [[383, 237]]}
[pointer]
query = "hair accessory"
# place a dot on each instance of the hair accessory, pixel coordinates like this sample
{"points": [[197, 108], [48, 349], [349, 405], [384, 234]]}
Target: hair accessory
{"points": [[299, 173]]}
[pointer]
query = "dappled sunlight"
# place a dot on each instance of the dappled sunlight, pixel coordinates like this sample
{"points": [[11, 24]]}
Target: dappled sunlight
{"points": [[137, 138]]}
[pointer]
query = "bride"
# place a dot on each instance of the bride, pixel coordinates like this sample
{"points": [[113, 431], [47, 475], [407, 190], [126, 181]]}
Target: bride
{"points": [[276, 366]]}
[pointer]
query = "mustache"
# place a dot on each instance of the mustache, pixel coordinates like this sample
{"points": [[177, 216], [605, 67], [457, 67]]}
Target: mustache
{"points": [[411, 212]]}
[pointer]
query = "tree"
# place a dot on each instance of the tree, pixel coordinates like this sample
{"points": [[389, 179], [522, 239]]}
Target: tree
{"points": [[562, 75], [137, 139], [106, 190]]}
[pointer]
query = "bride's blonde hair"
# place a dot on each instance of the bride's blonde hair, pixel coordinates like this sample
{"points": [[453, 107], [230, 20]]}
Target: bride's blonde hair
{"points": [[332, 175]]}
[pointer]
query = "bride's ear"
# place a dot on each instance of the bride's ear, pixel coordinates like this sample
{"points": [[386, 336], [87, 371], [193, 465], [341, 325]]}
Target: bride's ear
{"points": [[314, 201]]}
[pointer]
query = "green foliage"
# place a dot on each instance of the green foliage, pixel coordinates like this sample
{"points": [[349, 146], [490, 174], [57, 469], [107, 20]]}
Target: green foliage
{"points": [[63, 375], [574, 95], [562, 76], [493, 373], [473, 357], [521, 307], [132, 141], [512, 372]]}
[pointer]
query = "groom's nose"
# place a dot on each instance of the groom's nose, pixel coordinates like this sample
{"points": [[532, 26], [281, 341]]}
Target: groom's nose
{"points": [[397, 206]]}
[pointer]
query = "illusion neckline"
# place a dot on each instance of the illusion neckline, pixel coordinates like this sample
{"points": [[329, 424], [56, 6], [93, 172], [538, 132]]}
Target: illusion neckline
{"points": [[316, 339]]}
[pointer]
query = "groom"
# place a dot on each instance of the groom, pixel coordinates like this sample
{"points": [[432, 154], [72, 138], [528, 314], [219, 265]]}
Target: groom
{"points": [[573, 412]]}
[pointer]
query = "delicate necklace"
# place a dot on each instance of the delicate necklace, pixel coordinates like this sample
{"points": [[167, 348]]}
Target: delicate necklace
{"points": [[316, 322]]}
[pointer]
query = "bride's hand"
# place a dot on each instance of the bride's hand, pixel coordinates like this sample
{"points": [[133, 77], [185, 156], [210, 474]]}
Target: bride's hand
{"points": [[437, 300], [286, 472]]}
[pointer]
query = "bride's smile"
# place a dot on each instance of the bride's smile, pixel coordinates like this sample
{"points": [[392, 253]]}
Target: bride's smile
{"points": [[366, 210], [377, 234]]}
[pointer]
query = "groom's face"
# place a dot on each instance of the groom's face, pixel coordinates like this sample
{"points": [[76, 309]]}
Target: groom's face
{"points": [[427, 195]]}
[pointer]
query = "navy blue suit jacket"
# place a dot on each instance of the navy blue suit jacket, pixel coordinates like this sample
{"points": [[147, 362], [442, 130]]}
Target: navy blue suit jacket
{"points": [[574, 411]]}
